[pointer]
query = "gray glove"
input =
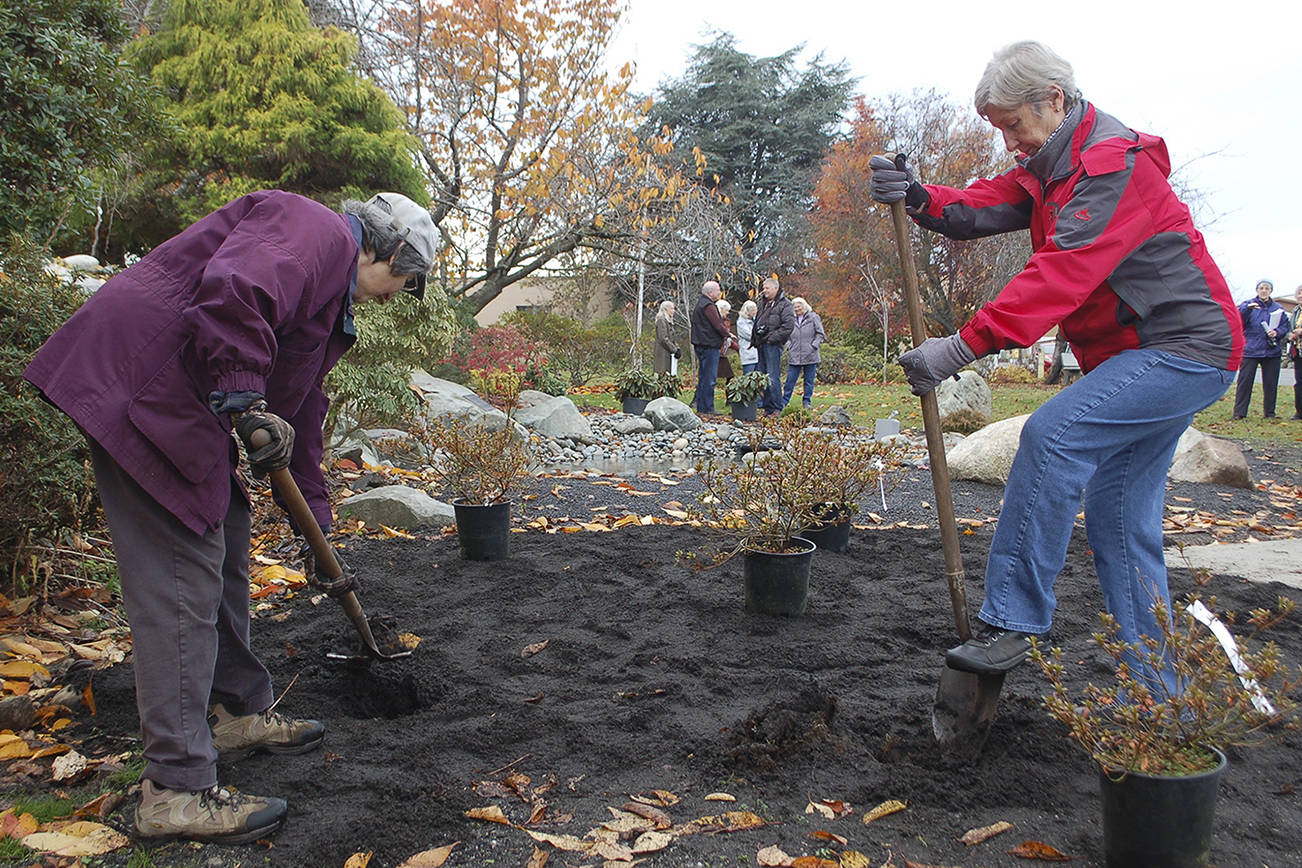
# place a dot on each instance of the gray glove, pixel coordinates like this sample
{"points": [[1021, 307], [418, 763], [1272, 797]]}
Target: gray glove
{"points": [[891, 183], [933, 361]]}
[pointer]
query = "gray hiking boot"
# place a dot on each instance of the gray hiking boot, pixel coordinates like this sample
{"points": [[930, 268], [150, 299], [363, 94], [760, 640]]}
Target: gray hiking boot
{"points": [[217, 815], [239, 736]]}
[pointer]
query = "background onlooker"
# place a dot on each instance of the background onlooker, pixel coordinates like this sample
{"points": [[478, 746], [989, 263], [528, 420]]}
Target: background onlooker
{"points": [[1294, 354], [1264, 326], [726, 372], [709, 333], [666, 349], [745, 322], [773, 323], [802, 351]]}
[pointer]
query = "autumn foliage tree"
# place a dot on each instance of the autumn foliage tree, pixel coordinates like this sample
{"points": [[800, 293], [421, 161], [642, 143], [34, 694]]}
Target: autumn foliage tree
{"points": [[856, 274], [525, 137]]}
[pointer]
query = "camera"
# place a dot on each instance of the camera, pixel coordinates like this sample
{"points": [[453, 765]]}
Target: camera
{"points": [[759, 334]]}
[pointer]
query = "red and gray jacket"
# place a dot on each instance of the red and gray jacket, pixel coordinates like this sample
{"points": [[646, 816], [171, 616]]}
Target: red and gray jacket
{"points": [[1116, 261]]}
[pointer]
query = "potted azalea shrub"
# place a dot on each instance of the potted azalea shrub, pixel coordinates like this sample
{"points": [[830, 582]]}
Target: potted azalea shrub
{"points": [[1160, 749], [851, 465], [756, 506], [668, 385], [635, 388], [743, 393], [483, 462]]}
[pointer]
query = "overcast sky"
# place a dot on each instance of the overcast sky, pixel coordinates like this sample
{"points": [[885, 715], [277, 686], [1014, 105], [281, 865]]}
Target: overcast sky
{"points": [[1221, 83]]}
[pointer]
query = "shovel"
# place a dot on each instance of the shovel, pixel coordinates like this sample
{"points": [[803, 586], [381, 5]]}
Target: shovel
{"points": [[966, 703], [301, 513]]}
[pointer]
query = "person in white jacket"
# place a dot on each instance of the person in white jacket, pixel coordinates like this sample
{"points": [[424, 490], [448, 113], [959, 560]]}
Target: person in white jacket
{"points": [[745, 322]]}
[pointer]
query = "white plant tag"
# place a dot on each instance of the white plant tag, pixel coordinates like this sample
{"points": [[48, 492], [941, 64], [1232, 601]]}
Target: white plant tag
{"points": [[1222, 634]]}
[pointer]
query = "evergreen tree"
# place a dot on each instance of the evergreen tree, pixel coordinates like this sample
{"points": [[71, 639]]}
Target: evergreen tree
{"points": [[262, 99], [763, 125]]}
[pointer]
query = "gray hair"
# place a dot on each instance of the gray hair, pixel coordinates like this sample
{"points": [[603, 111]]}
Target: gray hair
{"points": [[383, 241], [801, 300], [724, 306], [749, 308], [662, 312], [1024, 73]]}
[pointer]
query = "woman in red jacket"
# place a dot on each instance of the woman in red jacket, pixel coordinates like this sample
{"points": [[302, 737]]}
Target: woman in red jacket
{"points": [[1119, 267]]}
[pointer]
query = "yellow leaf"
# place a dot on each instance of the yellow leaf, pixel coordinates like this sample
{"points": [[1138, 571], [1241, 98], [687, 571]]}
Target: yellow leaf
{"points": [[854, 859], [430, 858], [273, 573], [539, 858], [22, 669], [561, 842], [820, 808], [50, 750], [21, 648], [17, 826], [492, 814], [773, 857], [885, 809], [359, 860], [984, 833], [80, 838], [12, 747], [650, 842]]}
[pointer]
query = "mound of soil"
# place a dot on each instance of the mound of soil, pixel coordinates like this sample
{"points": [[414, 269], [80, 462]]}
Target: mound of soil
{"points": [[654, 678]]}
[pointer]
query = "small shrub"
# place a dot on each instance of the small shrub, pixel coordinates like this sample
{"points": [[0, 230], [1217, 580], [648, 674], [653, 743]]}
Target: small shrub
{"points": [[45, 479], [798, 415], [637, 383], [1009, 374], [965, 421], [847, 364], [478, 463]]}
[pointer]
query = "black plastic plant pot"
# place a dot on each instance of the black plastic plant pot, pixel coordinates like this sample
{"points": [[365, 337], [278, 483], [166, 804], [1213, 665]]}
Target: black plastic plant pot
{"points": [[634, 406], [1152, 820], [484, 531], [777, 583], [833, 534], [745, 412]]}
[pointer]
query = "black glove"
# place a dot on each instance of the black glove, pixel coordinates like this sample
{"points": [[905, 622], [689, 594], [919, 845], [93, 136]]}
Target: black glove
{"points": [[678, 352], [322, 581], [277, 453], [933, 361], [891, 183]]}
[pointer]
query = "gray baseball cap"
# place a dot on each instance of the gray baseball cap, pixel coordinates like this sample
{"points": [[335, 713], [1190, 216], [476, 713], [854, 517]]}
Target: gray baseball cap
{"points": [[416, 227]]}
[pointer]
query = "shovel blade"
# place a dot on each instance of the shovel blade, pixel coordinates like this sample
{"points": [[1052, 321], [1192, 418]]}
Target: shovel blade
{"points": [[966, 705]]}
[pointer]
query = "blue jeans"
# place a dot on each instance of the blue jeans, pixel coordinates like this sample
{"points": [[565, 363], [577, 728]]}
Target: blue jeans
{"points": [[749, 366], [707, 374], [1108, 437], [794, 371], [770, 362]]}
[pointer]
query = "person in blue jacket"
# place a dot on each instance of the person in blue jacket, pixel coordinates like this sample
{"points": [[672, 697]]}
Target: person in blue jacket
{"points": [[1265, 330]]}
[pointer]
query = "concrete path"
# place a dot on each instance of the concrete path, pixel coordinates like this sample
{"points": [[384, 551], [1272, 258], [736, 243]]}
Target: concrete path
{"points": [[1276, 560]]}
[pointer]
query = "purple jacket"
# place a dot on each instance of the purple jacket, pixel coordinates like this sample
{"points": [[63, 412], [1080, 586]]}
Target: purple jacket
{"points": [[250, 298]]}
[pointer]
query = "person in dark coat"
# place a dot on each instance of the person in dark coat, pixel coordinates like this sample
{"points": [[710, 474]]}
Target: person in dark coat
{"points": [[709, 332], [773, 325], [666, 348], [232, 324], [1265, 334]]}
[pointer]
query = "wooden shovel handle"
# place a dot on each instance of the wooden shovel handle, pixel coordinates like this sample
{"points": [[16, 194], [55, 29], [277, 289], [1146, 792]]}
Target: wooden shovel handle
{"points": [[931, 425], [300, 512]]}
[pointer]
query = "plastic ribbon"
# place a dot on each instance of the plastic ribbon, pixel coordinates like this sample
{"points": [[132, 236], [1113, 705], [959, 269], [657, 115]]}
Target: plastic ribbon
{"points": [[1222, 634]]}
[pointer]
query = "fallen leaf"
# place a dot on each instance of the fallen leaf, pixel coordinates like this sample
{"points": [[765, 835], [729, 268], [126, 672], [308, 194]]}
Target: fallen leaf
{"points": [[12, 747], [561, 842], [855, 859], [824, 835], [650, 842], [885, 809], [359, 860], [430, 858], [17, 826], [773, 856], [79, 838], [657, 816], [530, 650], [88, 698], [539, 858], [23, 669], [984, 833], [68, 766], [658, 797], [101, 806], [813, 862], [50, 750], [612, 851], [492, 814], [736, 821], [720, 797], [820, 808], [1037, 850]]}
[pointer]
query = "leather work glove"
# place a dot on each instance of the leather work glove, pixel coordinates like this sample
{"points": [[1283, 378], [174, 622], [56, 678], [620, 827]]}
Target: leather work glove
{"points": [[891, 183], [319, 579], [933, 361], [276, 454]]}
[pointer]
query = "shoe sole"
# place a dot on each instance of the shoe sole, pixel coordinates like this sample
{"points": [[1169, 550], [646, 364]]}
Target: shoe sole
{"points": [[284, 750], [246, 837], [984, 668]]}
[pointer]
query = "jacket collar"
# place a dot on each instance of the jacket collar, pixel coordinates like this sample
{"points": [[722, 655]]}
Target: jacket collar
{"points": [[1062, 149]]}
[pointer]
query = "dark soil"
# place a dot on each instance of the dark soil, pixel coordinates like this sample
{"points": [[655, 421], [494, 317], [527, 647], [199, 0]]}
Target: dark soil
{"points": [[655, 678]]}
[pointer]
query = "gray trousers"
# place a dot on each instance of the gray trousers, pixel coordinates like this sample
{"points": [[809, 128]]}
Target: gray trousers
{"points": [[187, 598]]}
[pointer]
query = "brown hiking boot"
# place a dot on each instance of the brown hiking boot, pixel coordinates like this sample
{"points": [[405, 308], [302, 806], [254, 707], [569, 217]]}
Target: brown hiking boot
{"points": [[239, 736], [216, 815]]}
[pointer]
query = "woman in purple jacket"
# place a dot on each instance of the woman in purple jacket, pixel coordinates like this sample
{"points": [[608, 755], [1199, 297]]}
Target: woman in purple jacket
{"points": [[232, 324]]}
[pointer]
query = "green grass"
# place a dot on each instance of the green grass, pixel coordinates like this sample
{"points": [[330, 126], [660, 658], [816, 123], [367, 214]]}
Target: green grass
{"points": [[872, 401]]}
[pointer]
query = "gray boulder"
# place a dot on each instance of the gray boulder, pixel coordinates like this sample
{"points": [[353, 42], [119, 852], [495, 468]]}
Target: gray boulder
{"points": [[556, 417], [987, 455], [835, 415], [1199, 458], [532, 398], [670, 414], [632, 425], [969, 392], [445, 400], [397, 506]]}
